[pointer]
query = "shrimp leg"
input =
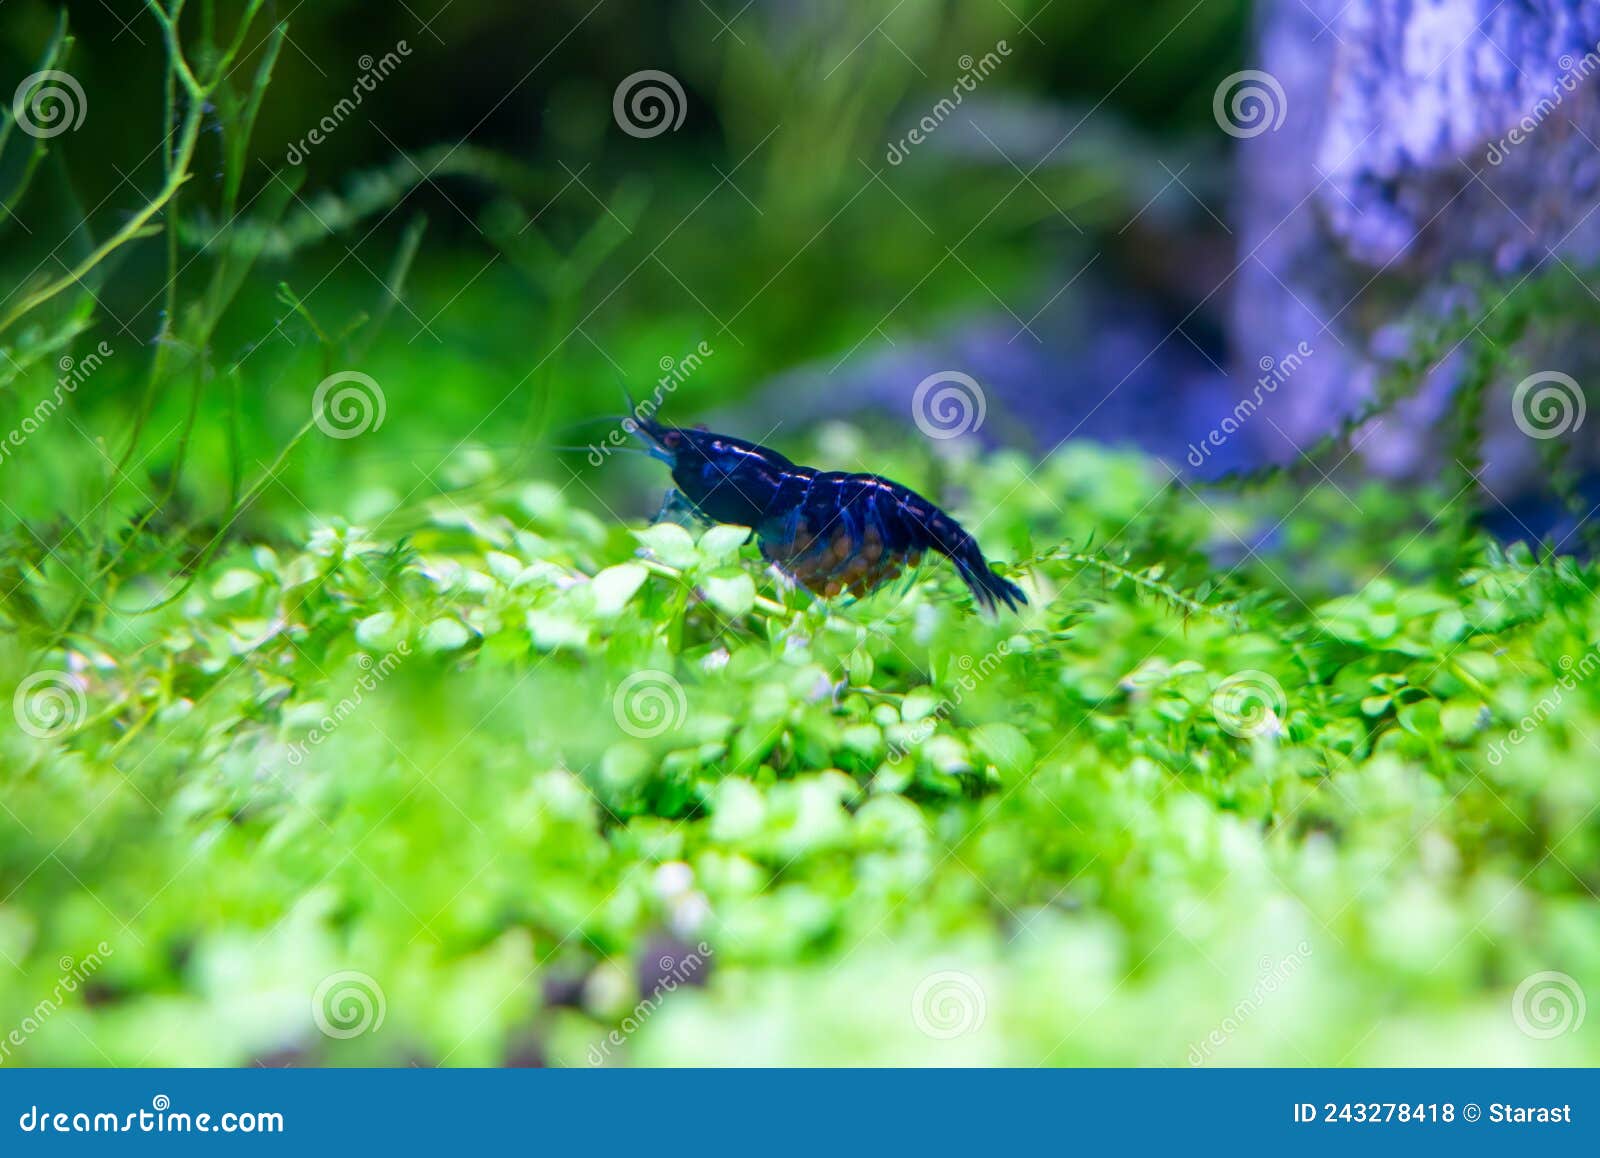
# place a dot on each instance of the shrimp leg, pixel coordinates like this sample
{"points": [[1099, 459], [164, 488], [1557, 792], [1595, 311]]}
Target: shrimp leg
{"points": [[676, 508]]}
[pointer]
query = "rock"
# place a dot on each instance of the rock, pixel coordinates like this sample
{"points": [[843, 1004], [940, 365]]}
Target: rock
{"points": [[1415, 137]]}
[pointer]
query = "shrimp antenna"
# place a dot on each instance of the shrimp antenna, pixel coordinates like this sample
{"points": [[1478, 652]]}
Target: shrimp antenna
{"points": [[622, 448], [640, 419], [611, 419], [631, 407]]}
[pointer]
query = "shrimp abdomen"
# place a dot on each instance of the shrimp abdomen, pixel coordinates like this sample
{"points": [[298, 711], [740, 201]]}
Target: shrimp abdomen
{"points": [[927, 526]]}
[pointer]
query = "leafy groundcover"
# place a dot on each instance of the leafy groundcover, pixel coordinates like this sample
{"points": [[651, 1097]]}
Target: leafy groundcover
{"points": [[1305, 781]]}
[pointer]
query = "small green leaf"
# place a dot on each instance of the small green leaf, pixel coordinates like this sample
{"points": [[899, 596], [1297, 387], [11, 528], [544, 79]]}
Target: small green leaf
{"points": [[670, 543], [503, 567], [235, 582], [1421, 718], [1460, 721], [730, 590], [918, 704], [378, 631], [445, 635], [723, 541], [1004, 746], [738, 811], [614, 586], [553, 630]]}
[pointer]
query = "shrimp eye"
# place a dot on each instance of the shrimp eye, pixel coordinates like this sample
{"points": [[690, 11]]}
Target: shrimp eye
{"points": [[671, 439]]}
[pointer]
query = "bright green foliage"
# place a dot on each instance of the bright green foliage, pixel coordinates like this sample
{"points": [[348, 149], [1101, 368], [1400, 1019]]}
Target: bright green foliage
{"points": [[457, 764]]}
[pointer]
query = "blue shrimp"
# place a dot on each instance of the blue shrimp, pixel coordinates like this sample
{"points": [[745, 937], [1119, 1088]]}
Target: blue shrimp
{"points": [[831, 532]]}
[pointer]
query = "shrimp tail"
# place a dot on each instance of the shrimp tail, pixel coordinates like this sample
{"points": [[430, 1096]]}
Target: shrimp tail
{"points": [[988, 587], [929, 526]]}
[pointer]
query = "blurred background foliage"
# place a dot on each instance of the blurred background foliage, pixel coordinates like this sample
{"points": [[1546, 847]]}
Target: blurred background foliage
{"points": [[757, 226]]}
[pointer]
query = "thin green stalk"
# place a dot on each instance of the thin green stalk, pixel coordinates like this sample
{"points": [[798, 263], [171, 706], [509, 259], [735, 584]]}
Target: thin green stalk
{"points": [[255, 491], [1164, 590], [130, 229]]}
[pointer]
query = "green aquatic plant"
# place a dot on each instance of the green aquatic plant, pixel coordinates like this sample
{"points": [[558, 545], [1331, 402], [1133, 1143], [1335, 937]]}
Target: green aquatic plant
{"points": [[526, 746]]}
